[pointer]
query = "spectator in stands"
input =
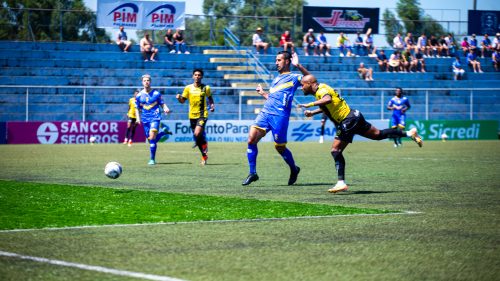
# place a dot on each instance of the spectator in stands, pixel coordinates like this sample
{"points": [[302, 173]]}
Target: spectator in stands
{"points": [[358, 45], [457, 69], [169, 41], [382, 61], [180, 43], [147, 48], [419, 59], [398, 43], [309, 42], [495, 59], [258, 41], [496, 42], [473, 62], [365, 73], [324, 47], [486, 46], [473, 44], [422, 45], [409, 43], [395, 62], [450, 43], [465, 46], [444, 51], [407, 61], [343, 44], [286, 41], [368, 43], [434, 46], [122, 40]]}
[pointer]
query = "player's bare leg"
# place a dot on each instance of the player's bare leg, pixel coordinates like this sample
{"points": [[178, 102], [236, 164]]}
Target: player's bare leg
{"points": [[376, 134], [338, 147]]}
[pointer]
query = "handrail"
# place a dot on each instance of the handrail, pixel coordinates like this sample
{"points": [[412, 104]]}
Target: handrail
{"points": [[230, 39]]}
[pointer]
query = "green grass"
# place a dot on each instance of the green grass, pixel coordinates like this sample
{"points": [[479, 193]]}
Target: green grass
{"points": [[455, 186], [34, 205]]}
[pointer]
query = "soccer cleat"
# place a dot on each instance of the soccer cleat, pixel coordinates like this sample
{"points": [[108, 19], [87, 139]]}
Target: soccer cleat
{"points": [[152, 162], [321, 139], [125, 141], [339, 187], [130, 143], [415, 137], [294, 175], [250, 178], [204, 160]]}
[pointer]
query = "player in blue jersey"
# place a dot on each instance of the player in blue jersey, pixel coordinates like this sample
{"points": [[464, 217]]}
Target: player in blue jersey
{"points": [[148, 104], [399, 105], [275, 115]]}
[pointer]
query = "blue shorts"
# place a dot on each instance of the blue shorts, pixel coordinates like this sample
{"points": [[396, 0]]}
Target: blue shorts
{"points": [[278, 125], [398, 121], [150, 126]]}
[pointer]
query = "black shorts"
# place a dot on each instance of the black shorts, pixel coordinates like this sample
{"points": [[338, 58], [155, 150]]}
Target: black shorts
{"points": [[132, 120], [198, 122], [353, 124]]}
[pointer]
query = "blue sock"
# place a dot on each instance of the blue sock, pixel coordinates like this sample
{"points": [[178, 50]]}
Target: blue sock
{"points": [[252, 152], [159, 136], [152, 149], [287, 156]]}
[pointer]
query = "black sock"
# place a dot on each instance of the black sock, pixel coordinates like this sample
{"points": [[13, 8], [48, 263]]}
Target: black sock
{"points": [[339, 164]]}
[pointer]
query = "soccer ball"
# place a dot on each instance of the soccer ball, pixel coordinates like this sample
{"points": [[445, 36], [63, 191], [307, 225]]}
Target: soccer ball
{"points": [[92, 140], [113, 170]]}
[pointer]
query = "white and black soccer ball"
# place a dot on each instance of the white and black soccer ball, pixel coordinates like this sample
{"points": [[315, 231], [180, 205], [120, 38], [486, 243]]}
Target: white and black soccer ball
{"points": [[92, 140], [113, 170]]}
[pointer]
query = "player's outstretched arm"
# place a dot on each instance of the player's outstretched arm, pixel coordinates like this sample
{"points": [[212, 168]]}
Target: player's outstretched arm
{"points": [[261, 91], [180, 98], [295, 62], [166, 109], [310, 113], [211, 103]]}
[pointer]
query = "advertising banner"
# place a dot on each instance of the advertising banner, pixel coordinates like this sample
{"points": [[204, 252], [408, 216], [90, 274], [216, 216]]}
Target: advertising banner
{"points": [[68, 132], [456, 130], [484, 22], [150, 15], [340, 19], [237, 131]]}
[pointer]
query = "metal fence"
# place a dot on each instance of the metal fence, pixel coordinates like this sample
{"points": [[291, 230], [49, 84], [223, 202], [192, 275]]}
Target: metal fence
{"points": [[84, 103]]}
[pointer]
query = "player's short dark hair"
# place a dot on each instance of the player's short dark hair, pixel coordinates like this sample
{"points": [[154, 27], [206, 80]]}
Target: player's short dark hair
{"points": [[198, 70], [286, 54], [401, 89]]}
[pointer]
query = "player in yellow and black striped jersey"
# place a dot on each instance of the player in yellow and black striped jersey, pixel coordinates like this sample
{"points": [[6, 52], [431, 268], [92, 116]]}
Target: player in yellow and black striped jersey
{"points": [[349, 122], [198, 94], [131, 122]]}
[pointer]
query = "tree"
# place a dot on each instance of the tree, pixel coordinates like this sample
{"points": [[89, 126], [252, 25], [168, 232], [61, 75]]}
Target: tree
{"points": [[67, 20], [413, 18]]}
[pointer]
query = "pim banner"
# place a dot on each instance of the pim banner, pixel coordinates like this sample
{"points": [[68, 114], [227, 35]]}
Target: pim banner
{"points": [[338, 19], [484, 22], [150, 15]]}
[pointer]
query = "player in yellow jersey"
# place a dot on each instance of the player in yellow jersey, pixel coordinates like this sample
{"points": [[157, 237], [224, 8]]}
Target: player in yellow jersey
{"points": [[131, 123], [198, 94], [349, 122]]}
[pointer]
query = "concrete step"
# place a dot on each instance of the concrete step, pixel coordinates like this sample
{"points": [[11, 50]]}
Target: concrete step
{"points": [[240, 76], [235, 68], [227, 60], [224, 52], [256, 102], [243, 85], [249, 94]]}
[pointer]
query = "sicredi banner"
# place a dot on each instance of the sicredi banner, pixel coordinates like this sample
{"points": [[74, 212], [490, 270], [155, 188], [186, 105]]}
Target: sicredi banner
{"points": [[456, 130], [68, 132], [150, 15]]}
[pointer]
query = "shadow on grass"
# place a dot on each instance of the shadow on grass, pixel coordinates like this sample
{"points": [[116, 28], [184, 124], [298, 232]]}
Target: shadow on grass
{"points": [[363, 192]]}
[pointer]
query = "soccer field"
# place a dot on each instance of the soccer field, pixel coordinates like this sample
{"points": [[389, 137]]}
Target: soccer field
{"points": [[430, 213]]}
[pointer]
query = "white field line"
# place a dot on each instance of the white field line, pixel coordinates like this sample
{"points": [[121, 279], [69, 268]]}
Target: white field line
{"points": [[92, 267], [200, 222]]}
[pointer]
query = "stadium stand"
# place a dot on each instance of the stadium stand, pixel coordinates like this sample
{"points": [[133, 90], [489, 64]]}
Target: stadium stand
{"points": [[64, 73]]}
